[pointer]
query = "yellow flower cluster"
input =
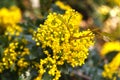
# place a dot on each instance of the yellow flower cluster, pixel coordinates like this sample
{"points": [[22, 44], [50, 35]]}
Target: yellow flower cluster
{"points": [[112, 68], [62, 6], [9, 19], [109, 47], [14, 53], [10, 16], [13, 30], [62, 34]]}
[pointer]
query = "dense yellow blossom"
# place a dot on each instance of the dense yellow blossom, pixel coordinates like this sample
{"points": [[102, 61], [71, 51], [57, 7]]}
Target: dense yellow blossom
{"points": [[13, 30], [62, 34], [9, 19], [22, 63], [62, 6], [109, 47], [112, 68], [12, 54]]}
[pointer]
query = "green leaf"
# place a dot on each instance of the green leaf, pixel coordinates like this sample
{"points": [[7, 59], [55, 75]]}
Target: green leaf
{"points": [[12, 67], [1, 51], [46, 76], [111, 55]]}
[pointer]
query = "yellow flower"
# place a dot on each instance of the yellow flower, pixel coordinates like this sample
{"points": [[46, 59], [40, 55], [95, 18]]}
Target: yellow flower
{"points": [[62, 6], [9, 19], [13, 30], [110, 46], [112, 68], [103, 9], [11, 54], [62, 34], [10, 16], [22, 63]]}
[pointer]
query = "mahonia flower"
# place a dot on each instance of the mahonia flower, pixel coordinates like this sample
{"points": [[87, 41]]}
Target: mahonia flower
{"points": [[62, 34], [112, 68], [62, 6], [9, 19], [10, 16], [13, 30], [12, 54]]}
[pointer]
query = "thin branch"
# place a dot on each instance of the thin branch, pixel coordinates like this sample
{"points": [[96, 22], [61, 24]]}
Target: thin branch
{"points": [[87, 35]]}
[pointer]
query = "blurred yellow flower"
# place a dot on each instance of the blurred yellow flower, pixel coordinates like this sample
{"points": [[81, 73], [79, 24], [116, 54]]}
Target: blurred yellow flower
{"points": [[13, 30], [109, 47], [10, 16], [11, 54], [9, 19], [62, 6], [104, 10], [112, 68]]}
